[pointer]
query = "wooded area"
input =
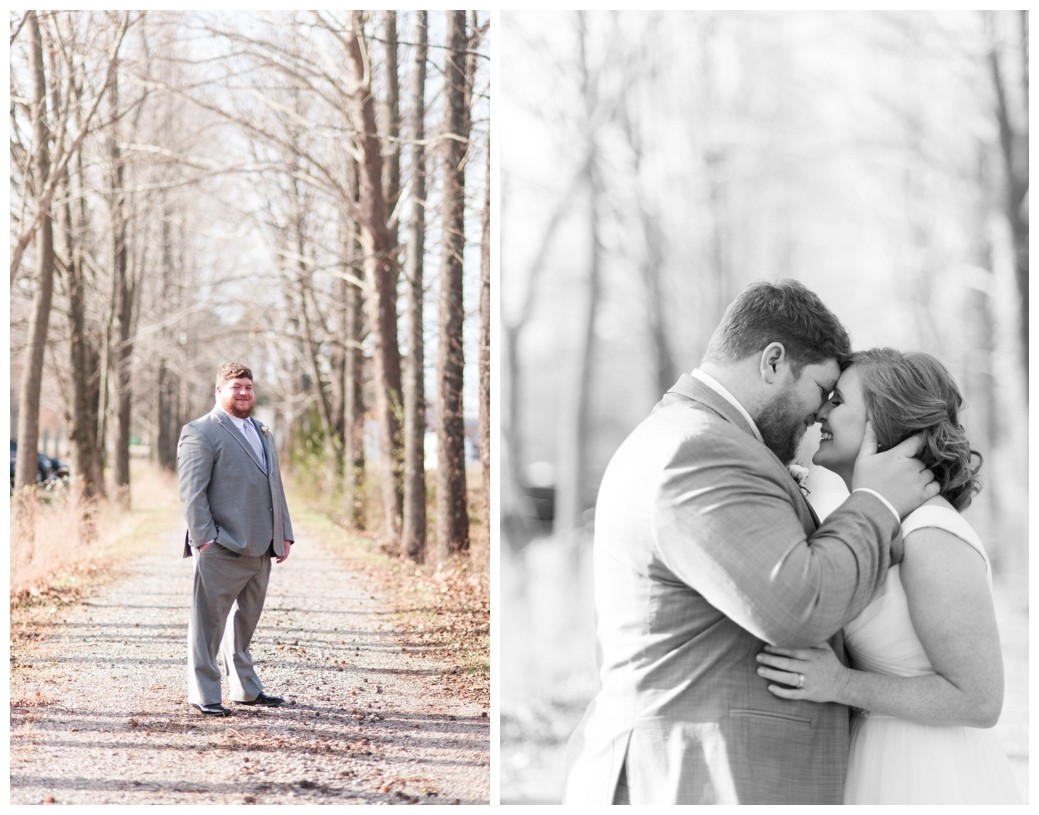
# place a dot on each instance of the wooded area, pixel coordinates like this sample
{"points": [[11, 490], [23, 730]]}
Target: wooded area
{"points": [[304, 192], [879, 157], [655, 163]]}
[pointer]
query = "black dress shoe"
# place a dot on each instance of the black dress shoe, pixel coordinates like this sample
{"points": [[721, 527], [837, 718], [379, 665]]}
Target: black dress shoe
{"points": [[263, 700], [215, 709]]}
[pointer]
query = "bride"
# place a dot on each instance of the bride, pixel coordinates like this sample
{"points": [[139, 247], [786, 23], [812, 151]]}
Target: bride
{"points": [[926, 676]]}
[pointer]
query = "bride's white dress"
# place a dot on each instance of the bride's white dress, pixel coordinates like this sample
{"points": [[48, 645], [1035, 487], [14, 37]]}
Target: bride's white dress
{"points": [[894, 761]]}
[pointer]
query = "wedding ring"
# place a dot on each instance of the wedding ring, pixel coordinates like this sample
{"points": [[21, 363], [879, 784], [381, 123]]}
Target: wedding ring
{"points": [[800, 680]]}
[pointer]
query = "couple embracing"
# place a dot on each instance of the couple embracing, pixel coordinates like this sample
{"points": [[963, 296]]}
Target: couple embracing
{"points": [[748, 652]]}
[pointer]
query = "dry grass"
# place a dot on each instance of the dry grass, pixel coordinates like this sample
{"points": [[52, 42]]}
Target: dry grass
{"points": [[59, 559], [313, 488]]}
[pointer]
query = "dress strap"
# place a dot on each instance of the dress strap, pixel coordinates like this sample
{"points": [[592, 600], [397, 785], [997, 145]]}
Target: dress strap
{"points": [[939, 517]]}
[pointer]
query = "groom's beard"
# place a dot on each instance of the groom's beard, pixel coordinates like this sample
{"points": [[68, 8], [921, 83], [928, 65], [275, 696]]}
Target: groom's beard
{"points": [[781, 427], [240, 411]]}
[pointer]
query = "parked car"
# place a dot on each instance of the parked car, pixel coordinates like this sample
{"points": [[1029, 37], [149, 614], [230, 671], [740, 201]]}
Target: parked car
{"points": [[50, 472]]}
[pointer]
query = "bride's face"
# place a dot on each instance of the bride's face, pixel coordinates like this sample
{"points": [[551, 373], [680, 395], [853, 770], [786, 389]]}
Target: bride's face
{"points": [[843, 422]]}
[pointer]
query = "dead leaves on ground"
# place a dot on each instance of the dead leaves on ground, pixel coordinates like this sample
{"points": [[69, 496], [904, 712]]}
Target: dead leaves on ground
{"points": [[446, 615], [440, 613]]}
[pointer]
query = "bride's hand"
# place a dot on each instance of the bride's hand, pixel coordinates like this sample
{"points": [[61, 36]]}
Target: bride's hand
{"points": [[814, 674]]}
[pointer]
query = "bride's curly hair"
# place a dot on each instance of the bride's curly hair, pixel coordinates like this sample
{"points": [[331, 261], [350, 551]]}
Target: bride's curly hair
{"points": [[906, 393]]}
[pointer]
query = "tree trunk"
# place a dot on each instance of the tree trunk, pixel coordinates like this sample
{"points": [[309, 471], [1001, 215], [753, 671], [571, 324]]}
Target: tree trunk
{"points": [[391, 161], [452, 514], [516, 529], [168, 413], [354, 481], [310, 342], [32, 369], [85, 359], [121, 357], [168, 391], [380, 283], [485, 344], [1013, 144], [574, 411], [414, 525], [652, 266], [1020, 216], [337, 360]]}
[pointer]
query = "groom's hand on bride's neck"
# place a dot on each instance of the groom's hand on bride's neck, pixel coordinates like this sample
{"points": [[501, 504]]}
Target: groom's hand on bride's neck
{"points": [[903, 480]]}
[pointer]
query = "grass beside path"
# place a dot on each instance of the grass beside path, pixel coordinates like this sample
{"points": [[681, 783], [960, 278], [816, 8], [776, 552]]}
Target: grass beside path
{"points": [[55, 568]]}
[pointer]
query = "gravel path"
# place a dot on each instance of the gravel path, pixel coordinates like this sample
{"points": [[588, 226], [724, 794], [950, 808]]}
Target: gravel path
{"points": [[98, 711]]}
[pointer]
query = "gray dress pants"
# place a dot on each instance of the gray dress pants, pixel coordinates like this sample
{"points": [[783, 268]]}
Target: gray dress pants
{"points": [[228, 597]]}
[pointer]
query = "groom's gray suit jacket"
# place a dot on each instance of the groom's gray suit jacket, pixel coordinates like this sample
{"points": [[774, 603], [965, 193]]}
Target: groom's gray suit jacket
{"points": [[226, 493], [705, 549]]}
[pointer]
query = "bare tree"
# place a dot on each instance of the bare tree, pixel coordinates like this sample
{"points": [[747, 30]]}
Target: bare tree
{"points": [[391, 106], [485, 344], [353, 372], [452, 515], [414, 522], [64, 147], [32, 375], [652, 263], [1011, 110], [515, 326], [294, 136], [84, 353], [168, 411], [301, 259], [380, 275], [574, 426], [120, 342]]}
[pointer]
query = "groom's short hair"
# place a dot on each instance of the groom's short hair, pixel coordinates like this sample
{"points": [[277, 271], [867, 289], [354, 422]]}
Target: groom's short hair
{"points": [[232, 370], [783, 311]]}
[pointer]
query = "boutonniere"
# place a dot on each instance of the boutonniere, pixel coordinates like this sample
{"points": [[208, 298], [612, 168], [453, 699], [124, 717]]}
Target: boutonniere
{"points": [[800, 476], [267, 431]]}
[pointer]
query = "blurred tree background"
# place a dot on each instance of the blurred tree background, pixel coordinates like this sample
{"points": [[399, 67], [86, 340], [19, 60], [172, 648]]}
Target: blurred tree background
{"points": [[303, 192], [655, 163]]}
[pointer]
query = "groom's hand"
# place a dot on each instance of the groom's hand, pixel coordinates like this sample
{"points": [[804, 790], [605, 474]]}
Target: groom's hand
{"points": [[287, 549], [903, 480]]}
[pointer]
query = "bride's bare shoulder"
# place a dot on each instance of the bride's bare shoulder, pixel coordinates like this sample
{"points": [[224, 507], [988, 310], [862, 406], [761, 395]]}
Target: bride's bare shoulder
{"points": [[928, 536]]}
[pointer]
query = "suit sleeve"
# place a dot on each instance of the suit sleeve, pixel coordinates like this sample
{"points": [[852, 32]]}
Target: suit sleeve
{"points": [[195, 469], [286, 522], [724, 525], [286, 528]]}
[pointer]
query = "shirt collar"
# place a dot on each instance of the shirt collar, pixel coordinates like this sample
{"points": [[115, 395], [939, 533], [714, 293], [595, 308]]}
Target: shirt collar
{"points": [[239, 423], [718, 388]]}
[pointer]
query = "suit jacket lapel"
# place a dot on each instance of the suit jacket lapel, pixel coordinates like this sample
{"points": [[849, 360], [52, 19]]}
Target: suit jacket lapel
{"points": [[225, 422], [689, 387]]}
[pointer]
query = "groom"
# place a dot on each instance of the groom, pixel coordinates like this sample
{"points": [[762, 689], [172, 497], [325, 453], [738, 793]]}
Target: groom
{"points": [[705, 549], [234, 505]]}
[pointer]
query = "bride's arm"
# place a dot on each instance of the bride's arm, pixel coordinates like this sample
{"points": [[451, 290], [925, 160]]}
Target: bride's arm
{"points": [[951, 609]]}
